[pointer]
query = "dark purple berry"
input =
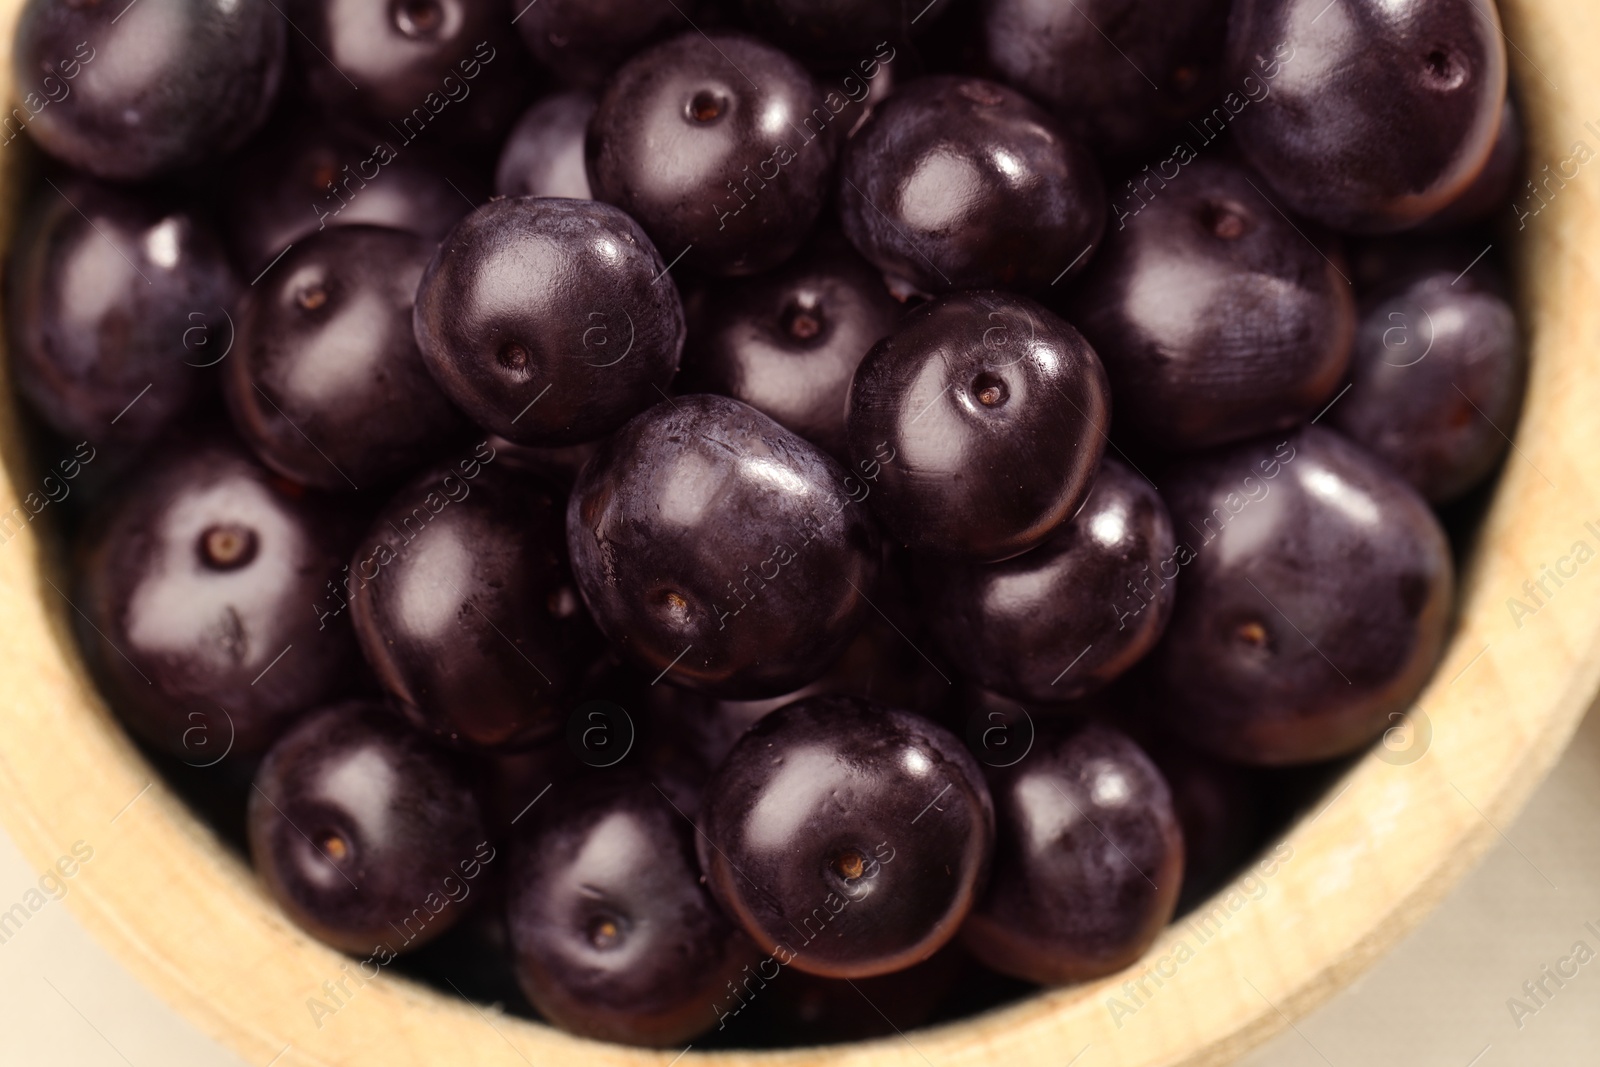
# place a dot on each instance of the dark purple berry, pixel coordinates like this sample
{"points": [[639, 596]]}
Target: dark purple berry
{"points": [[465, 607], [1217, 317], [721, 146], [549, 321], [305, 174], [1066, 618], [197, 591], [1118, 73], [719, 550], [1381, 112], [847, 838], [615, 936], [960, 183], [367, 837], [117, 303], [582, 41], [1313, 600], [983, 418], [788, 342], [127, 92], [441, 70], [1436, 381], [1088, 858], [327, 384], [543, 156]]}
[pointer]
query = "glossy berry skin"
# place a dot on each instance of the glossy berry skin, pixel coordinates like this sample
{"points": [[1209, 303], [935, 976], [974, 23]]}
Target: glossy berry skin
{"points": [[196, 588], [788, 342], [464, 605], [127, 94], [960, 183], [719, 550], [304, 175], [584, 40], [615, 936], [989, 417], [1313, 601], [847, 838], [326, 383], [549, 322], [730, 175], [107, 293], [1065, 619], [1217, 320], [1437, 379], [444, 70], [1118, 73], [370, 839], [1381, 112], [543, 156], [1088, 858], [1491, 190]]}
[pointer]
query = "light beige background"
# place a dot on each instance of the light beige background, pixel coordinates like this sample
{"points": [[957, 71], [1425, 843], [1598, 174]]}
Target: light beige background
{"points": [[1439, 1000]]}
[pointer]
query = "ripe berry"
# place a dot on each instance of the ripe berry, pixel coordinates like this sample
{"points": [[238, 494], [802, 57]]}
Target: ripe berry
{"points": [[1088, 858], [960, 183], [847, 838], [721, 146], [719, 550], [548, 321], [985, 417], [196, 586], [369, 839], [327, 384], [1068, 617], [127, 93], [1381, 111], [1312, 605], [118, 302], [614, 934]]}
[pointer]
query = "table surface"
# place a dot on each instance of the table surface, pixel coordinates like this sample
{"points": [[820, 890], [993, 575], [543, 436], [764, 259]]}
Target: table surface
{"points": [[1462, 991]]}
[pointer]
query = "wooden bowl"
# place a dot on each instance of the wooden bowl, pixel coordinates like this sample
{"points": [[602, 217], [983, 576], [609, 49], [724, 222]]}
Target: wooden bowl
{"points": [[1385, 844]]}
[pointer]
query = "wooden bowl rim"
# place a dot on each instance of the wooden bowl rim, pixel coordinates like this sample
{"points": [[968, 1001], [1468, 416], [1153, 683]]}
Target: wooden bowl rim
{"points": [[1391, 838]]}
